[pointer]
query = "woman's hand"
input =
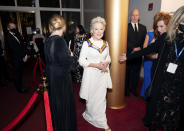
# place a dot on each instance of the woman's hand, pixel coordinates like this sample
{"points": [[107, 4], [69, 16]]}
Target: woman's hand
{"points": [[105, 66], [71, 53], [154, 56], [136, 49], [104, 70], [123, 57], [100, 66], [25, 59]]}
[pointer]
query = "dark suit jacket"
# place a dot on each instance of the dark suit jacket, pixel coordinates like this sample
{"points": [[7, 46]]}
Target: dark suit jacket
{"points": [[1, 48], [132, 42], [15, 48]]}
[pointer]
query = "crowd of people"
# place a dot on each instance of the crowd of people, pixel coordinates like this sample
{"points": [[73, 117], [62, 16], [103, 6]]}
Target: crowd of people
{"points": [[165, 93], [78, 57]]}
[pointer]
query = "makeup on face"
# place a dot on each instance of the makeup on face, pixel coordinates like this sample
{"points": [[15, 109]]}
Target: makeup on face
{"points": [[161, 27], [98, 31]]}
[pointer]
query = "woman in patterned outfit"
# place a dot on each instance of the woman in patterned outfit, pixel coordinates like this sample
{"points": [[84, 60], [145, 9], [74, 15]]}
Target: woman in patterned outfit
{"points": [[79, 38]]}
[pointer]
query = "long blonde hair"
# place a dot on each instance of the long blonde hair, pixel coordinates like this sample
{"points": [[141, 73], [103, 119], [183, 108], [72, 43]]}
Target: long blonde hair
{"points": [[174, 22]]}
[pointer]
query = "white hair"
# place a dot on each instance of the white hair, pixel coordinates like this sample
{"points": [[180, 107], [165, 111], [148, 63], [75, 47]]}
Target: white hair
{"points": [[97, 19]]}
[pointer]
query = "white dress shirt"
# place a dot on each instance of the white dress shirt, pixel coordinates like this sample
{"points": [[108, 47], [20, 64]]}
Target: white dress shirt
{"points": [[133, 25]]}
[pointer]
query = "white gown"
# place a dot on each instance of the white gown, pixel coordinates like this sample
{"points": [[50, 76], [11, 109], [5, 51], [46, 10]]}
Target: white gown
{"points": [[95, 83]]}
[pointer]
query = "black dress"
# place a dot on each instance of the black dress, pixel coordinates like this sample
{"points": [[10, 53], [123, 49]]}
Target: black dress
{"points": [[78, 70], [166, 106], [58, 70]]}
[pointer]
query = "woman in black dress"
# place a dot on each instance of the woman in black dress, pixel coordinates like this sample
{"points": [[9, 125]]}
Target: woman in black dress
{"points": [[58, 70], [165, 107], [79, 39]]}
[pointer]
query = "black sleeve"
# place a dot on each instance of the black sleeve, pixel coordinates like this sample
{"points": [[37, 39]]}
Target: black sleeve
{"points": [[152, 48], [1, 49], [62, 53], [130, 47], [8, 43]]}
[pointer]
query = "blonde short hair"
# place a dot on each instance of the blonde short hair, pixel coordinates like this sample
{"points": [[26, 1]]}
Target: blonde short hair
{"points": [[97, 20], [56, 22]]}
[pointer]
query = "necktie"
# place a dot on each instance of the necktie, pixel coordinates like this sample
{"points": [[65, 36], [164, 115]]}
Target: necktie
{"points": [[136, 32], [135, 28]]}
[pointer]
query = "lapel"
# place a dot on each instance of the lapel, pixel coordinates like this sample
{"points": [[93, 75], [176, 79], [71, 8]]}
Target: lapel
{"points": [[15, 38], [131, 28], [139, 27]]}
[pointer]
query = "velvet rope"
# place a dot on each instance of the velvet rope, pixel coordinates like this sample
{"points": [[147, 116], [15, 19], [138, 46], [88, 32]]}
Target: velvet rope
{"points": [[47, 112], [11, 125], [46, 98], [34, 97], [41, 65]]}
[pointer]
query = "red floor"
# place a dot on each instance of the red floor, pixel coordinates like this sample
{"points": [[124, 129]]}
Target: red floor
{"points": [[127, 119]]}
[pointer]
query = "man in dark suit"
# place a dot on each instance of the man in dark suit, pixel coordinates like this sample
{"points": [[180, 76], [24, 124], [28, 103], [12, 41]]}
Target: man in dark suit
{"points": [[15, 45], [136, 36], [3, 72]]}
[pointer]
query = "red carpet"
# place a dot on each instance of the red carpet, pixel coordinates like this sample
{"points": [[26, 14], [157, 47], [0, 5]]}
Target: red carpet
{"points": [[127, 119], [12, 102]]}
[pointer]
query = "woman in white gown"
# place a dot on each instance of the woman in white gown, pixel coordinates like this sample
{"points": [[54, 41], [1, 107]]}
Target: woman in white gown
{"points": [[95, 60]]}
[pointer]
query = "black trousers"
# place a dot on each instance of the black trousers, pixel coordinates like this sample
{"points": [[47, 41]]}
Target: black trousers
{"points": [[3, 70], [17, 73], [133, 68]]}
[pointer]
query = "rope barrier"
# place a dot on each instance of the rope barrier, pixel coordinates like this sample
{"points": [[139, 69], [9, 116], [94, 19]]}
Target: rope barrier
{"points": [[47, 105], [41, 65], [40, 88], [47, 112], [22, 114]]}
